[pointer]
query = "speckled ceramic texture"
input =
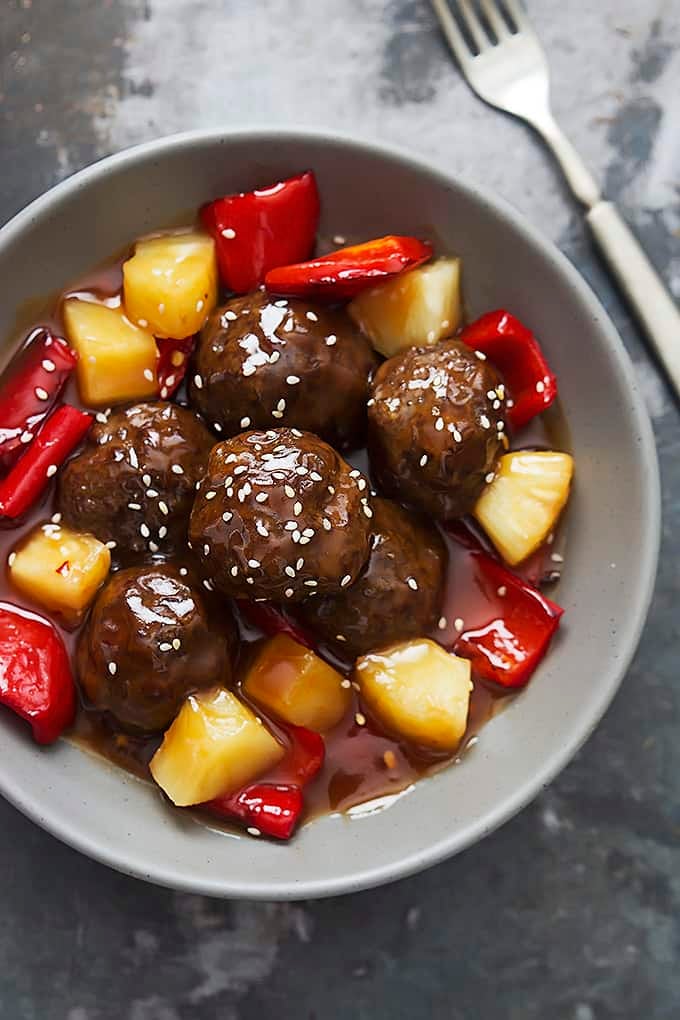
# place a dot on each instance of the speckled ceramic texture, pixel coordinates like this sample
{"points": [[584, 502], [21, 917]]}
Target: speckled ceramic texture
{"points": [[613, 520]]}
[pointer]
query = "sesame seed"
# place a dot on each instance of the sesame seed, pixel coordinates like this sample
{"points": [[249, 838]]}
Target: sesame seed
{"points": [[355, 474], [211, 494], [500, 425], [412, 583], [458, 624], [367, 510], [176, 644], [111, 545], [148, 374], [297, 508], [484, 421], [457, 436], [431, 336], [206, 549], [340, 637], [151, 493], [301, 470], [51, 470], [240, 469], [163, 507], [370, 403], [165, 646], [132, 456], [281, 406], [162, 531], [331, 489], [199, 305], [26, 437], [312, 316], [231, 457], [245, 422], [161, 308], [290, 526], [556, 558], [361, 484], [183, 571], [289, 593], [489, 478], [292, 380], [164, 392], [41, 393], [442, 623], [502, 591], [296, 433], [339, 239], [227, 516], [198, 382], [234, 571], [360, 719], [11, 558], [326, 523], [289, 491], [261, 530], [113, 668], [331, 340], [231, 316], [230, 234], [254, 564], [101, 417], [480, 355], [300, 563], [277, 414], [250, 580], [48, 365], [540, 386], [146, 479], [390, 759], [311, 583], [439, 424], [345, 581], [345, 683], [153, 547], [304, 540], [509, 404], [423, 460], [274, 357], [144, 530], [207, 585], [134, 506], [55, 518], [289, 571], [262, 497], [177, 469], [496, 405], [315, 476]]}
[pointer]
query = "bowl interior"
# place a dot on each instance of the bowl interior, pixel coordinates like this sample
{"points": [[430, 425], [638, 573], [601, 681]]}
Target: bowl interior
{"points": [[612, 520]]}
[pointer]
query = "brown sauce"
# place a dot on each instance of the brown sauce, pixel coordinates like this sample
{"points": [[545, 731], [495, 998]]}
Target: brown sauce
{"points": [[355, 769]]}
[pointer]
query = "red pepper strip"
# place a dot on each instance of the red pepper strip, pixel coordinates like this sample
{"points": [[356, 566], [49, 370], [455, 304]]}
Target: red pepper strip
{"points": [[28, 394], [35, 674], [271, 621], [29, 477], [346, 272], [172, 363], [272, 808], [306, 756], [256, 231], [508, 647], [515, 352]]}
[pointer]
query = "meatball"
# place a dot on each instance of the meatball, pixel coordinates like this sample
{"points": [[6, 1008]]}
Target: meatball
{"points": [[280, 515], [260, 364], [398, 595], [133, 484], [151, 639], [435, 427]]}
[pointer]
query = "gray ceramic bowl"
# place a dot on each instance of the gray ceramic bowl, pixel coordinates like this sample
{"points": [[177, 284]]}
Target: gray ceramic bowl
{"points": [[613, 519]]}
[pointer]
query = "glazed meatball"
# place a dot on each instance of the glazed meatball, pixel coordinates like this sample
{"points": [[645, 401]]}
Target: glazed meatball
{"points": [[280, 515], [398, 595], [151, 639], [435, 432], [133, 484], [262, 364]]}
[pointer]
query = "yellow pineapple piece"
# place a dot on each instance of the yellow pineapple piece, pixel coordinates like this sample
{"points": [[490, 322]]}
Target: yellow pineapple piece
{"points": [[215, 746], [418, 307], [60, 569], [117, 360], [296, 685], [170, 283], [520, 508], [418, 691]]}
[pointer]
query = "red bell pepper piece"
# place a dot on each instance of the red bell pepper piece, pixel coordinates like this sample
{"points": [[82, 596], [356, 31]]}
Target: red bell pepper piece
{"points": [[29, 392], [272, 808], [306, 756], [255, 231], [271, 621], [344, 273], [515, 352], [35, 673], [29, 477], [173, 361], [518, 626]]}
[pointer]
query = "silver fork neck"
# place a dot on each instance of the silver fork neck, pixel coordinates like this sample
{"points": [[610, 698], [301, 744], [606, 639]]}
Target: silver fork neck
{"points": [[579, 178]]}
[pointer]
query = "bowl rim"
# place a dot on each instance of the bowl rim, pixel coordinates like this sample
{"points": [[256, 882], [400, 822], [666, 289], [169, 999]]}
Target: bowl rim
{"points": [[131, 863]]}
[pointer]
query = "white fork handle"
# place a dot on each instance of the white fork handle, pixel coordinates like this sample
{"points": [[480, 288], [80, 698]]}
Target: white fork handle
{"points": [[653, 305]]}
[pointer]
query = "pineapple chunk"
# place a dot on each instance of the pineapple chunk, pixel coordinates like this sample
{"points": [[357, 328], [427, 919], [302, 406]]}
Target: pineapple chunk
{"points": [[170, 283], [60, 569], [117, 360], [214, 747], [418, 691], [520, 508], [296, 685], [418, 307]]}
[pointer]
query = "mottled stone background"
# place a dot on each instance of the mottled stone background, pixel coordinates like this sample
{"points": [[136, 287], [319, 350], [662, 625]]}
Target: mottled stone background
{"points": [[571, 911]]}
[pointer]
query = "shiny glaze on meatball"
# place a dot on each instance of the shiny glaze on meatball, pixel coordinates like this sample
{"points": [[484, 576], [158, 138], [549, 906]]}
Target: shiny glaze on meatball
{"points": [[280, 516], [261, 364], [436, 427], [398, 594], [133, 483], [151, 639]]}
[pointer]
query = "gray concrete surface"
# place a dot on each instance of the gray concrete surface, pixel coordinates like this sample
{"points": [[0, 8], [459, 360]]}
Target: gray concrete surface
{"points": [[571, 911]]}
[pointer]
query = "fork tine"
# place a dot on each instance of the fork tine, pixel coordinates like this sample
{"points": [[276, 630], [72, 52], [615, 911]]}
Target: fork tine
{"points": [[453, 34], [495, 18], [518, 15], [474, 25]]}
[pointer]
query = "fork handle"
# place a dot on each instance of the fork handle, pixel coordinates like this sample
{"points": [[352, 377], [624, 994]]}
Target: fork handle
{"points": [[641, 283]]}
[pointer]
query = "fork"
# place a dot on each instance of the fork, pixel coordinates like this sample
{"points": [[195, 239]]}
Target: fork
{"points": [[504, 63]]}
